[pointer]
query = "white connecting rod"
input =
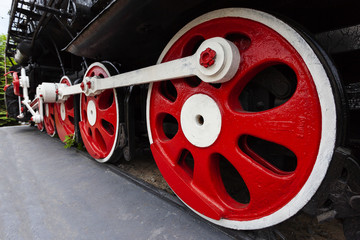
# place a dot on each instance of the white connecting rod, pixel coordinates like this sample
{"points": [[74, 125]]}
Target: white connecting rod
{"points": [[216, 61]]}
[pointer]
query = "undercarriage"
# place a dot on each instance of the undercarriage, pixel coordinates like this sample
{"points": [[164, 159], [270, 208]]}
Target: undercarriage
{"points": [[250, 109]]}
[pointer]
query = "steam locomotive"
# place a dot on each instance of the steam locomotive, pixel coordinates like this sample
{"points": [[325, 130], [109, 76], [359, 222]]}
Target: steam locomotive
{"points": [[251, 108]]}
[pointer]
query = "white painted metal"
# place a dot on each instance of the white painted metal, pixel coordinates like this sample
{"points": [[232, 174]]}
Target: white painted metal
{"points": [[25, 84], [41, 110], [65, 91], [327, 104], [226, 63], [62, 111], [224, 68], [47, 91], [47, 112], [200, 120], [91, 112], [21, 115]]}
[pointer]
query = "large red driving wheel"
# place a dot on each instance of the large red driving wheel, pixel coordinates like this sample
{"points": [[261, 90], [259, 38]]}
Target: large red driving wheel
{"points": [[64, 114], [49, 119], [251, 152], [99, 123]]}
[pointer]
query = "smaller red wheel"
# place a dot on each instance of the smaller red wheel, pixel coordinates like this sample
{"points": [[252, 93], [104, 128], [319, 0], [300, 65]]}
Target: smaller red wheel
{"points": [[99, 118], [64, 114], [40, 126], [49, 121]]}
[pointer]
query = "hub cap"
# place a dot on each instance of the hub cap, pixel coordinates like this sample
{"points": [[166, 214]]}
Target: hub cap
{"points": [[200, 120]]}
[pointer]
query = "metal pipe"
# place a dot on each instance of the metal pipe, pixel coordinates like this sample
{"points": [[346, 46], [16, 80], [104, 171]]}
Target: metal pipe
{"points": [[59, 57]]}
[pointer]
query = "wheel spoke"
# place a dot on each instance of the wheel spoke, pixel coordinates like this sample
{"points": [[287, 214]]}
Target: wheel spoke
{"points": [[288, 125], [173, 147], [69, 108], [261, 182], [207, 179], [165, 105], [106, 136], [49, 122], [109, 115]]}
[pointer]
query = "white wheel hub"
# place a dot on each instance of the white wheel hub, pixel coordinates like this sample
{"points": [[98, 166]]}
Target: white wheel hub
{"points": [[62, 111], [201, 120], [91, 112]]}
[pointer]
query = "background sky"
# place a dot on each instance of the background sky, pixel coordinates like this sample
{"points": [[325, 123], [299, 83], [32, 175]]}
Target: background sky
{"points": [[5, 6]]}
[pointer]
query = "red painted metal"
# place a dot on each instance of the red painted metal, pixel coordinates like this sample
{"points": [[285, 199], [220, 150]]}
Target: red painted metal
{"points": [[101, 137], [295, 125], [16, 83], [65, 127], [82, 85], [207, 57], [49, 121], [40, 126], [6, 87]]}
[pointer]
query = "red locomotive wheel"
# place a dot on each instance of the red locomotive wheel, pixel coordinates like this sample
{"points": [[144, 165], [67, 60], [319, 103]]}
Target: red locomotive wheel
{"points": [[64, 114], [40, 126], [100, 119], [49, 119], [251, 152]]}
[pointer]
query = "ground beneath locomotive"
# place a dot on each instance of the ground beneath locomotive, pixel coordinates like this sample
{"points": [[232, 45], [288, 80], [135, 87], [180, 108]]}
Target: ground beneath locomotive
{"points": [[299, 227]]}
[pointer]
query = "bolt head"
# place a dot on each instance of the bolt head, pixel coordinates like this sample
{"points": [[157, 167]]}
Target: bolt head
{"points": [[207, 57], [82, 85]]}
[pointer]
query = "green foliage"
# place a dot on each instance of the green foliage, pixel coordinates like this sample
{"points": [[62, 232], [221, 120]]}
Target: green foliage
{"points": [[69, 141], [4, 121]]}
